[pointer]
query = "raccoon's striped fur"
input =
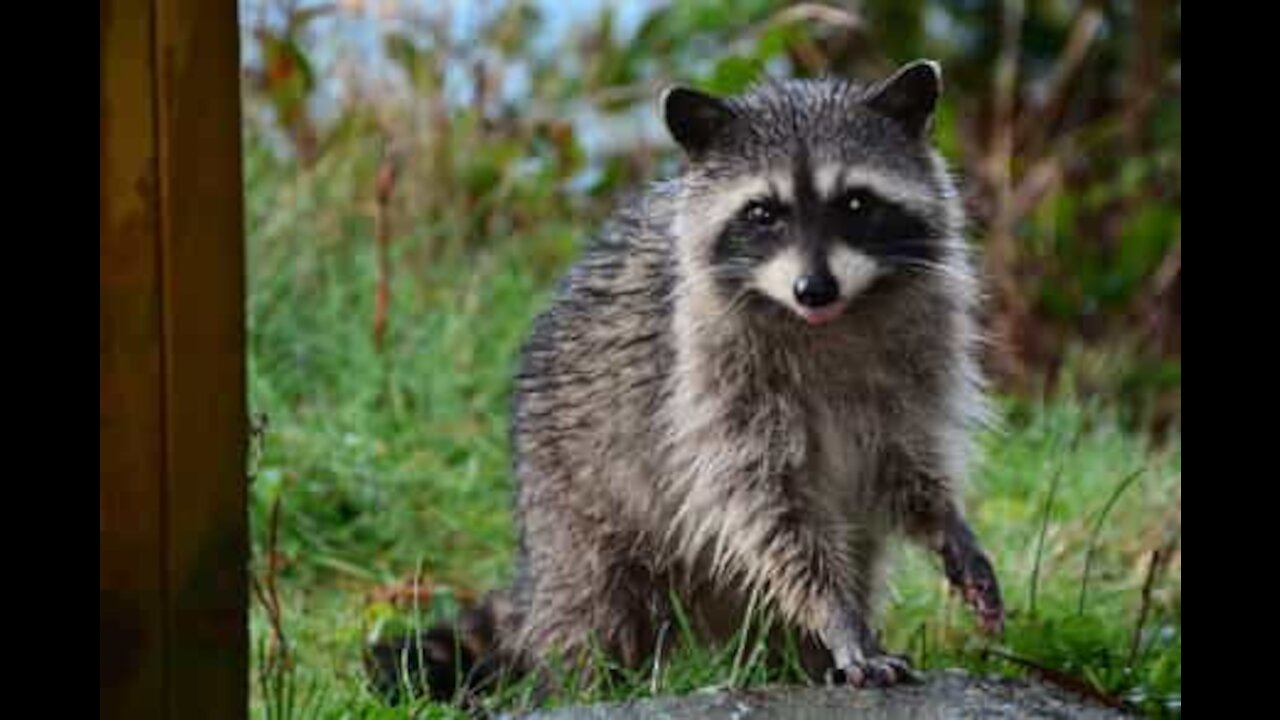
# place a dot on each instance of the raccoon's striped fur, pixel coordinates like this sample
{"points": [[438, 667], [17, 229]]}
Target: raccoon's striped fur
{"points": [[761, 372]]}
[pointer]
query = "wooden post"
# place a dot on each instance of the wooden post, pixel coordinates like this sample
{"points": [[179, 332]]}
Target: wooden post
{"points": [[173, 528]]}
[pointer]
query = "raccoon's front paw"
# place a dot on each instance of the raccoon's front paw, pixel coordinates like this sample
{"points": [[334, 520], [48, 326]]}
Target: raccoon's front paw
{"points": [[881, 670], [971, 575], [858, 659]]}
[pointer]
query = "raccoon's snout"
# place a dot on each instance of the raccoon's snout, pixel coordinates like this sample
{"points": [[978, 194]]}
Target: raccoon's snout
{"points": [[816, 290]]}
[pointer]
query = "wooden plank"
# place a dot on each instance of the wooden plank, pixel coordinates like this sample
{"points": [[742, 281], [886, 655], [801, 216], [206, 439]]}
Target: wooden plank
{"points": [[198, 122], [173, 525], [130, 416]]}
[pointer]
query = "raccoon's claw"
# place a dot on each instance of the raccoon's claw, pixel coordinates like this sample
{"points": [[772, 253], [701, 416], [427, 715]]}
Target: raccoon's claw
{"points": [[984, 600], [975, 580], [858, 658], [972, 576], [902, 665], [877, 671]]}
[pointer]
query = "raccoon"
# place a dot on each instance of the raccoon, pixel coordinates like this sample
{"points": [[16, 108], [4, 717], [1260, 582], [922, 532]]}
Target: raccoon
{"points": [[760, 373]]}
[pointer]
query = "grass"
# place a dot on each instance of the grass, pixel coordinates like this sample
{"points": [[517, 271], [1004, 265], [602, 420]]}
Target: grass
{"points": [[386, 467]]}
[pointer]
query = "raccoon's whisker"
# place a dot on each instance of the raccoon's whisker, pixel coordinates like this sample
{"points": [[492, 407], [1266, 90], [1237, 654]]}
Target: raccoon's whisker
{"points": [[735, 303], [739, 300], [931, 267]]}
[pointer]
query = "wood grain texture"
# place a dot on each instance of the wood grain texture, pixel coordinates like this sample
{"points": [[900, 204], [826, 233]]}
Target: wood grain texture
{"points": [[203, 287], [130, 451], [172, 413]]}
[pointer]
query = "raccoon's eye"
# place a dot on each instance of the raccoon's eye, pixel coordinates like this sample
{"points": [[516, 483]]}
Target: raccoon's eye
{"points": [[857, 202], [762, 213]]}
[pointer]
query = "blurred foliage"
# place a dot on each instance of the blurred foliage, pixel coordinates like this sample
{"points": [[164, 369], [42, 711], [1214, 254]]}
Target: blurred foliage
{"points": [[502, 130], [454, 156]]}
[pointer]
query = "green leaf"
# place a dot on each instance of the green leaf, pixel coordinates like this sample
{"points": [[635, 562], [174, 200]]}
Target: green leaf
{"points": [[733, 74]]}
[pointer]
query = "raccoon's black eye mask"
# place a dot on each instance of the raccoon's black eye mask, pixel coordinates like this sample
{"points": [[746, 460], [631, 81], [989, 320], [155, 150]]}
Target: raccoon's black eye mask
{"points": [[879, 226], [858, 204], [856, 215], [855, 208]]}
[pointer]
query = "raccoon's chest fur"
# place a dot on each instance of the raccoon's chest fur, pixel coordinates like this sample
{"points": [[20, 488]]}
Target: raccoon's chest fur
{"points": [[844, 457], [819, 407]]}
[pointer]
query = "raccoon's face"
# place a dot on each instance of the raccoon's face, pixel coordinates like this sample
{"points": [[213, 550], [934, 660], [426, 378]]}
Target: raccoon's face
{"points": [[809, 193]]}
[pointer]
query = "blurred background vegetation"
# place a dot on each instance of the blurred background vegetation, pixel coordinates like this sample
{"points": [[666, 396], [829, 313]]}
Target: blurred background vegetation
{"points": [[418, 174]]}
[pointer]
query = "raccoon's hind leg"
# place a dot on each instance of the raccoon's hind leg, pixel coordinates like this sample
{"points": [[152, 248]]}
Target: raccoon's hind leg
{"points": [[450, 661], [593, 605]]}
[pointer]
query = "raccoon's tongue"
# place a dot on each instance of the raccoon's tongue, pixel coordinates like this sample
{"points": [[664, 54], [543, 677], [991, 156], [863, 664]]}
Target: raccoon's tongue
{"points": [[822, 315]]}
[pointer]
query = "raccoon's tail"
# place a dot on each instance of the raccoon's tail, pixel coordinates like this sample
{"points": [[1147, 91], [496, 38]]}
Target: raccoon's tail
{"points": [[450, 662]]}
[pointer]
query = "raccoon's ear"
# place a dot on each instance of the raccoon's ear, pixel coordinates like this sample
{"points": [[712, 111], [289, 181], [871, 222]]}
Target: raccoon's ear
{"points": [[909, 96], [693, 118]]}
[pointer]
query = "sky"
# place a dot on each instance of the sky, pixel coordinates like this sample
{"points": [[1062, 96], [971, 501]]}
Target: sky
{"points": [[358, 30]]}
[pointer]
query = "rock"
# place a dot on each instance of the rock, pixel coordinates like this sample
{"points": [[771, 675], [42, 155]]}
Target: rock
{"points": [[944, 695]]}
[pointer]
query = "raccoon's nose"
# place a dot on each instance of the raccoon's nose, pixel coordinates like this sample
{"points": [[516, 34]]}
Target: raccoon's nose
{"points": [[816, 290]]}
